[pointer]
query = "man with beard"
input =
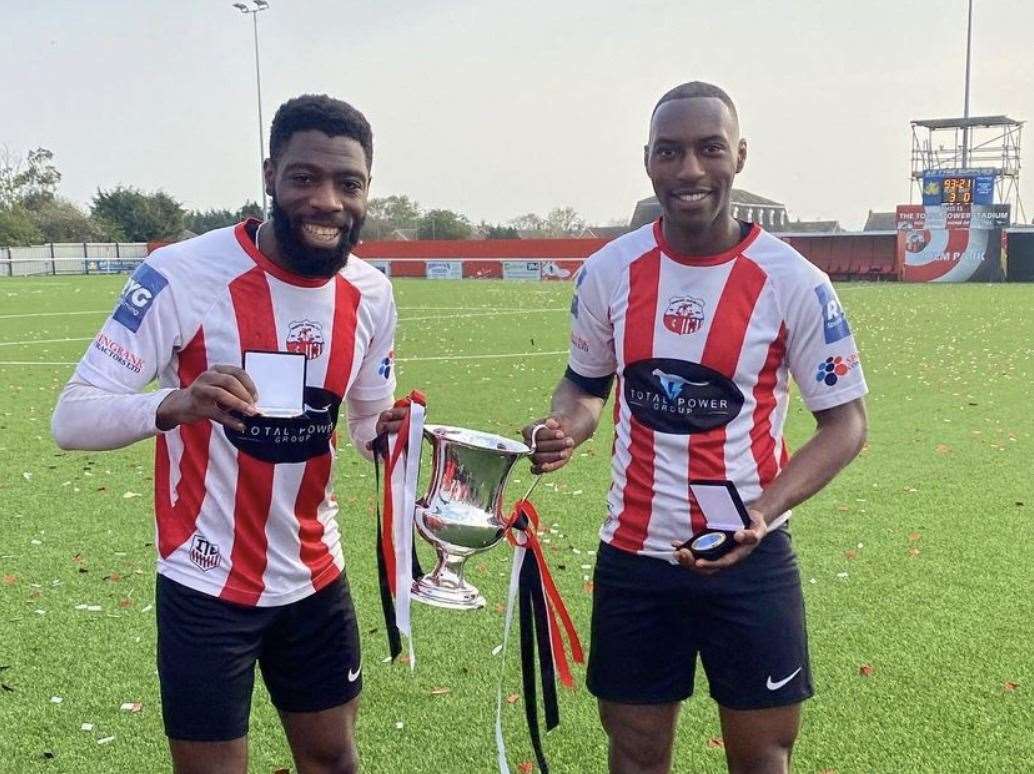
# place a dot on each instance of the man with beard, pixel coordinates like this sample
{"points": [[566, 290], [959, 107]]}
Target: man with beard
{"points": [[250, 567], [702, 318]]}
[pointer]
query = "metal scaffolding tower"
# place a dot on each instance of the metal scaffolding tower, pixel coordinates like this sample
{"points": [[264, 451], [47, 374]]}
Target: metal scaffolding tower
{"points": [[989, 143]]}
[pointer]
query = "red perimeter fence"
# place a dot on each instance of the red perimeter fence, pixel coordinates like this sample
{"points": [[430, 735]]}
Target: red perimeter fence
{"points": [[842, 256]]}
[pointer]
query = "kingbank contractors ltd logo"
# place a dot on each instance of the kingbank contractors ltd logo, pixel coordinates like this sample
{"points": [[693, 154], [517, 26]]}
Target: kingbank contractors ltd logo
{"points": [[117, 352], [679, 397]]}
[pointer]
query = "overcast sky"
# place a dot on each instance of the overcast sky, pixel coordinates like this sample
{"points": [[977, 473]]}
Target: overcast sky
{"points": [[497, 109]]}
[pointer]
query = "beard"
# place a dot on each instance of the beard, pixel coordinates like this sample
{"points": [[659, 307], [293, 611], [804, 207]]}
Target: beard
{"points": [[311, 261]]}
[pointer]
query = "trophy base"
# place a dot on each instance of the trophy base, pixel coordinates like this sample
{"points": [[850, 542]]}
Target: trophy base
{"points": [[439, 592]]}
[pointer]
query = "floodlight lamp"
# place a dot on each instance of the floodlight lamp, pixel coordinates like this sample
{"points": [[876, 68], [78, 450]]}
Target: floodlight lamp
{"points": [[261, 4], [241, 7]]}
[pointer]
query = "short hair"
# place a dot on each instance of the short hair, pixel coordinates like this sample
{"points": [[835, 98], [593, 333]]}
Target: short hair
{"points": [[333, 117], [697, 89]]}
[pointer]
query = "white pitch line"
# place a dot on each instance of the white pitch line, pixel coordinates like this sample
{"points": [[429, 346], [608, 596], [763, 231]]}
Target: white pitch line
{"points": [[401, 309], [51, 314], [496, 313], [491, 313], [32, 363], [480, 357], [499, 356], [41, 341]]}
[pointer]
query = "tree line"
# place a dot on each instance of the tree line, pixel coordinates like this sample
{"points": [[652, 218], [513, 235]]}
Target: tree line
{"points": [[33, 212]]}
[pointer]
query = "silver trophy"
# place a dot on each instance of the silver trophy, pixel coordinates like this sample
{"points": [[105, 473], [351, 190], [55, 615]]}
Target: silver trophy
{"points": [[461, 514]]}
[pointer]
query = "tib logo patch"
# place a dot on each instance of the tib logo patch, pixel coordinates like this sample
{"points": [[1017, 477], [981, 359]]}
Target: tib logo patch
{"points": [[138, 295], [834, 322], [204, 553]]}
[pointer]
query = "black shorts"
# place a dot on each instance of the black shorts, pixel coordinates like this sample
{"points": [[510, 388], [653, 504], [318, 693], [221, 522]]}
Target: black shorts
{"points": [[207, 648], [650, 620]]}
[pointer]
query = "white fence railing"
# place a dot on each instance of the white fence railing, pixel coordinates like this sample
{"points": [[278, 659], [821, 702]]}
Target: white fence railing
{"points": [[71, 258]]}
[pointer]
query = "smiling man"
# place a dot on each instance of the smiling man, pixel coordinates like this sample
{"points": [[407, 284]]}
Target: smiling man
{"points": [[250, 567], [703, 319]]}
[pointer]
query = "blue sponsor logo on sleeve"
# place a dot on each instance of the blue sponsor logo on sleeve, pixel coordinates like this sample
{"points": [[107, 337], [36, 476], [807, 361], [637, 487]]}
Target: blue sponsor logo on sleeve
{"points": [[834, 322], [138, 295]]}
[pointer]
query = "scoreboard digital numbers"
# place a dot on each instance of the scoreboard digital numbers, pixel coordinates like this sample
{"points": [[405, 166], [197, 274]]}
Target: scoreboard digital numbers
{"points": [[958, 186], [957, 190]]}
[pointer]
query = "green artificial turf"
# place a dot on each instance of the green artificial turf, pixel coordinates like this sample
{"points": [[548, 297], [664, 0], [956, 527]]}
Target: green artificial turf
{"points": [[915, 560]]}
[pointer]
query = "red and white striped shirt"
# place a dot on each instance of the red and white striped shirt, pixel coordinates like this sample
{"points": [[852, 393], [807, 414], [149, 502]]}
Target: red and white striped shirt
{"points": [[702, 348], [249, 517]]}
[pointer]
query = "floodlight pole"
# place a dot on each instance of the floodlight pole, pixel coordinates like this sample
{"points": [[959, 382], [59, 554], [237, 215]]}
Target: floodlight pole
{"points": [[965, 109], [260, 5]]}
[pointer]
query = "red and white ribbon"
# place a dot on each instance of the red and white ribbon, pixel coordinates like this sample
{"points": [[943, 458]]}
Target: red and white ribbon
{"points": [[400, 481]]}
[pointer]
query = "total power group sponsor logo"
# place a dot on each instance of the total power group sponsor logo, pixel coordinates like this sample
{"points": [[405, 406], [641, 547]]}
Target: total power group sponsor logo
{"points": [[680, 397], [290, 439]]}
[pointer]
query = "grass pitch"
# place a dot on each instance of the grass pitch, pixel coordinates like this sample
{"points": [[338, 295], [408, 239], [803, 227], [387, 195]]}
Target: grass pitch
{"points": [[915, 560]]}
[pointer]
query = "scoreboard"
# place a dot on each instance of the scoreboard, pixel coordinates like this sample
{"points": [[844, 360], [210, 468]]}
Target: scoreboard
{"points": [[957, 190], [958, 186]]}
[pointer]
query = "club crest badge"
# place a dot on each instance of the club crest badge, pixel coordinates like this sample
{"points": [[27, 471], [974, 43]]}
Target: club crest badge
{"points": [[684, 314], [306, 337]]}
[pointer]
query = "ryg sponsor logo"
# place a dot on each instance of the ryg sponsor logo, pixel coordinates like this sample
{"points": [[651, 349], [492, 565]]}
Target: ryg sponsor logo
{"points": [[578, 280], [680, 397], [137, 296], [834, 323]]}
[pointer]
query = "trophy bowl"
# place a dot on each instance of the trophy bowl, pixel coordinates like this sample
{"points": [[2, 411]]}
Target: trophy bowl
{"points": [[461, 514]]}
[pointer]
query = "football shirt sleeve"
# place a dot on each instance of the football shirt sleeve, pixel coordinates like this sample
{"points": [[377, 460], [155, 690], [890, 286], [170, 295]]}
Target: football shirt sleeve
{"points": [[821, 350], [375, 378], [103, 406], [592, 333], [138, 340]]}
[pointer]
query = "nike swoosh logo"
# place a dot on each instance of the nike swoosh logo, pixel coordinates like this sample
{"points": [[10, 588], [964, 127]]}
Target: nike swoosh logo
{"points": [[353, 676], [775, 686]]}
